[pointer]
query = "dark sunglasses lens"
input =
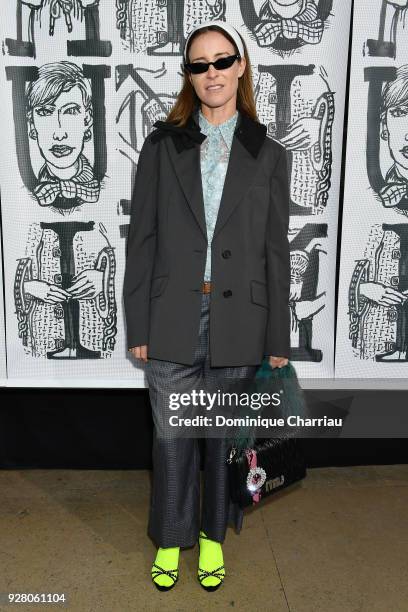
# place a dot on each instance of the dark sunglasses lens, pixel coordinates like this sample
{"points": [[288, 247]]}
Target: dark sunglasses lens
{"points": [[197, 67], [224, 62], [220, 64]]}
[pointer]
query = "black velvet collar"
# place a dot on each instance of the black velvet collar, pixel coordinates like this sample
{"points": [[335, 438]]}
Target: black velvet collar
{"points": [[249, 132]]}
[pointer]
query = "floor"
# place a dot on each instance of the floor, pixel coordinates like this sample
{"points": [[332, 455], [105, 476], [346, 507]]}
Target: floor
{"points": [[336, 542]]}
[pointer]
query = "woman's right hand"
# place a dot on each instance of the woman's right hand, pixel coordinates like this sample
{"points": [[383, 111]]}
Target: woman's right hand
{"points": [[140, 352]]}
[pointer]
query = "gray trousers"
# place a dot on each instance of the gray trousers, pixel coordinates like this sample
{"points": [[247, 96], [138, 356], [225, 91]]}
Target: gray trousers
{"points": [[174, 517]]}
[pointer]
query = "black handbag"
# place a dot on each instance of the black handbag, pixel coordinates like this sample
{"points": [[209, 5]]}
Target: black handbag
{"points": [[259, 467]]}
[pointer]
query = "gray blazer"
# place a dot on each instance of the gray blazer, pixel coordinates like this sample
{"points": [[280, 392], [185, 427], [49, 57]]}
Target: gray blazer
{"points": [[166, 248]]}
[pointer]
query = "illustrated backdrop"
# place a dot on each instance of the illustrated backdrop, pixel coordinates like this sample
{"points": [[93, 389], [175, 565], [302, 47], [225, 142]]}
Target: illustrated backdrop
{"points": [[82, 83], [372, 323], [3, 372]]}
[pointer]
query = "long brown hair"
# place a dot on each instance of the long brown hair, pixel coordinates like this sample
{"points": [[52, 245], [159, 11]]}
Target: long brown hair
{"points": [[187, 100]]}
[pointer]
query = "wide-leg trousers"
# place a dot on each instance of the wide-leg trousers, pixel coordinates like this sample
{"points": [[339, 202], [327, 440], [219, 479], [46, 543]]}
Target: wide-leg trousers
{"points": [[174, 515]]}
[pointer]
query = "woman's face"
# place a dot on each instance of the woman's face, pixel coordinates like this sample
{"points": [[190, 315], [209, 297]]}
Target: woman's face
{"points": [[396, 123], [215, 87]]}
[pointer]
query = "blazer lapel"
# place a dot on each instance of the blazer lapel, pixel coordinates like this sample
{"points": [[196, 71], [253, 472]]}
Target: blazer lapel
{"points": [[188, 170], [240, 175], [246, 143]]}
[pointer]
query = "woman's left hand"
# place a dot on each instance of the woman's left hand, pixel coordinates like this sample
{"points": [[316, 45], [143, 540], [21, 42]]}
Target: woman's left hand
{"points": [[278, 362]]}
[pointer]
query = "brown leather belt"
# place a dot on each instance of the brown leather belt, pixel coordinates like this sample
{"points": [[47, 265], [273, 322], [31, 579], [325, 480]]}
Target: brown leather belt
{"points": [[206, 287]]}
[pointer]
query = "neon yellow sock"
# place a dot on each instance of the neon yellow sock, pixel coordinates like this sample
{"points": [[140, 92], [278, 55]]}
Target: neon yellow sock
{"points": [[166, 558], [211, 558]]}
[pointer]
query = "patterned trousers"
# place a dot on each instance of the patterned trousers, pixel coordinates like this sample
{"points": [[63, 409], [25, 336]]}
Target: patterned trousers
{"points": [[174, 516]]}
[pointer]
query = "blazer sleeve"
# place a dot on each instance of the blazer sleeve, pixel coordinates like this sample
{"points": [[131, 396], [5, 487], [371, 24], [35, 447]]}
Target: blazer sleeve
{"points": [[141, 247], [277, 341]]}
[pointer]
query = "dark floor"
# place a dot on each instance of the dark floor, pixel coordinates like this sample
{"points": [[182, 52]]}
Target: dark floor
{"points": [[336, 542]]}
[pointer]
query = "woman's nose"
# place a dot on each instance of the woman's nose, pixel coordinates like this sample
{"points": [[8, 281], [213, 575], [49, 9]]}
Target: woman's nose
{"points": [[212, 71]]}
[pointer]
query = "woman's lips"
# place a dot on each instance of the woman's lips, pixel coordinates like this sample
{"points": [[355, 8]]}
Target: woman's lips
{"points": [[404, 151], [61, 150]]}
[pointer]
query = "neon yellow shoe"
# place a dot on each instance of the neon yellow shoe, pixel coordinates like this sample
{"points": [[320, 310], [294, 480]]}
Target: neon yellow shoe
{"points": [[211, 570], [164, 577]]}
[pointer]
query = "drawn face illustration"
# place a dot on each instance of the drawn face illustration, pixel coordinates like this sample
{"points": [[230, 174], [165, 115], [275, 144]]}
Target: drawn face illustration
{"points": [[396, 123], [60, 126], [208, 47], [288, 9]]}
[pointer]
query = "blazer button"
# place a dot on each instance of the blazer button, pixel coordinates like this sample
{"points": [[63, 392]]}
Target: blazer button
{"points": [[226, 253], [227, 293]]}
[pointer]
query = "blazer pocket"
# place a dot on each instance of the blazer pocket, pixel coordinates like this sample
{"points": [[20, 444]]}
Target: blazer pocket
{"points": [[259, 293], [158, 285]]}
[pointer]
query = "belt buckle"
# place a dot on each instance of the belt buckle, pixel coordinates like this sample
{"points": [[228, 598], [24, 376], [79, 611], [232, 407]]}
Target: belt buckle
{"points": [[206, 287]]}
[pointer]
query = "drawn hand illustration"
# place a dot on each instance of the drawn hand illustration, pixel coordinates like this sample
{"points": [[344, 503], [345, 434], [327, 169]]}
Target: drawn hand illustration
{"points": [[302, 134], [400, 3], [378, 292], [159, 27], [46, 292], [87, 284], [64, 292], [61, 9], [381, 294], [304, 301], [61, 23], [299, 110], [392, 18]]}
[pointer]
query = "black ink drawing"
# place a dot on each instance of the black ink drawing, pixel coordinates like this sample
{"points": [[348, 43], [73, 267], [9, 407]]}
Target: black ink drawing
{"points": [[393, 13], [387, 121], [286, 25], [306, 247], [59, 113], [140, 107], [378, 292], [159, 27], [297, 106], [64, 286], [38, 15], [64, 292]]}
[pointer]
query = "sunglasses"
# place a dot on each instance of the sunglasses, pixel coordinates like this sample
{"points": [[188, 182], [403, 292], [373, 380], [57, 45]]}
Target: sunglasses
{"points": [[220, 64]]}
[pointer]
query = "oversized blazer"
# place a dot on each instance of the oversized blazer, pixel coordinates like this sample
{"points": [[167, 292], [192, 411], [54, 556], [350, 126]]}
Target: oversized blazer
{"points": [[167, 246]]}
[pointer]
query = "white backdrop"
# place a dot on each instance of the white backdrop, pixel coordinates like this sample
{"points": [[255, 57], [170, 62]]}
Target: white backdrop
{"points": [[75, 114], [372, 315]]}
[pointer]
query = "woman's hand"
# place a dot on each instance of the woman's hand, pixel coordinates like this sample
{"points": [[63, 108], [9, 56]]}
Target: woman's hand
{"points": [[278, 362], [140, 352]]}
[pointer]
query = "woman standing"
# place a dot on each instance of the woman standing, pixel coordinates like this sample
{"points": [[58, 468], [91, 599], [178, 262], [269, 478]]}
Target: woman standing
{"points": [[207, 281]]}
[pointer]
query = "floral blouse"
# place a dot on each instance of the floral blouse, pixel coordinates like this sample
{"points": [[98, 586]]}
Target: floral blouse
{"points": [[214, 157]]}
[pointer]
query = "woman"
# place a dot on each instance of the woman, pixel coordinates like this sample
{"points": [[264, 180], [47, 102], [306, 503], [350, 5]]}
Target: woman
{"points": [[206, 283]]}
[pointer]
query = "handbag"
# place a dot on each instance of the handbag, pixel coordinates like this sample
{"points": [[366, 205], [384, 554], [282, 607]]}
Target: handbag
{"points": [[259, 467]]}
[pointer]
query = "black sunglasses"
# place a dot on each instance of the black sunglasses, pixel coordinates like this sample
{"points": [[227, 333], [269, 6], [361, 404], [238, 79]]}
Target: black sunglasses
{"points": [[220, 64]]}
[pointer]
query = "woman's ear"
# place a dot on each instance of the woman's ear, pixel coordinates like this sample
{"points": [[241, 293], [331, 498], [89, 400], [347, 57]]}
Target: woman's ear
{"points": [[384, 130], [242, 66]]}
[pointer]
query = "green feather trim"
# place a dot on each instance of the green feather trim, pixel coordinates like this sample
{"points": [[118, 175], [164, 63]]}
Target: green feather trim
{"points": [[271, 380]]}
